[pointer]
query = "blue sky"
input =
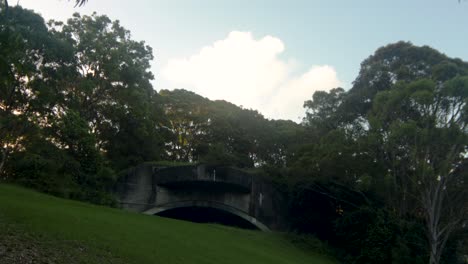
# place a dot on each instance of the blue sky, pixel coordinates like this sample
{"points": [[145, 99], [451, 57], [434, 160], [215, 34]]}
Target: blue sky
{"points": [[292, 48]]}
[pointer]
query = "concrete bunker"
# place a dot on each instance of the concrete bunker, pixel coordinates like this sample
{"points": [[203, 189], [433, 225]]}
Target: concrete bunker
{"points": [[155, 190]]}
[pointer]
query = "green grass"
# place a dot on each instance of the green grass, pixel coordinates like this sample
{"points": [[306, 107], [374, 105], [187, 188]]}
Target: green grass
{"points": [[46, 229]]}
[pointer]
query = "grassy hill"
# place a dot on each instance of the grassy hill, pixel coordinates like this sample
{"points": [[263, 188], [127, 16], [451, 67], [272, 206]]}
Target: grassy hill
{"points": [[37, 228]]}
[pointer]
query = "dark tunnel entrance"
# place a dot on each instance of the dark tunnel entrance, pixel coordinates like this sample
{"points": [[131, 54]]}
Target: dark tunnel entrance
{"points": [[207, 215]]}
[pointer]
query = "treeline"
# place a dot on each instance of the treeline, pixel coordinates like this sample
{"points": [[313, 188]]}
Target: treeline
{"points": [[379, 171]]}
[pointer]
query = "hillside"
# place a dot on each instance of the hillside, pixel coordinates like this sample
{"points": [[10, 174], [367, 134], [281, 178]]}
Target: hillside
{"points": [[37, 228]]}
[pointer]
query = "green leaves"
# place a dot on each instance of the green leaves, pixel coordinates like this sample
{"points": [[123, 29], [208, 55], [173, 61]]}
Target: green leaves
{"points": [[110, 88], [457, 87], [25, 97], [323, 109]]}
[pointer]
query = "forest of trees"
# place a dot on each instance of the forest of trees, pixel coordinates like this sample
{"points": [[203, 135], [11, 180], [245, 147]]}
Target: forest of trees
{"points": [[379, 172]]}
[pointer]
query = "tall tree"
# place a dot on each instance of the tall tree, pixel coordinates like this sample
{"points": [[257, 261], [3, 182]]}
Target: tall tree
{"points": [[422, 126], [189, 116], [28, 54], [407, 114], [109, 86]]}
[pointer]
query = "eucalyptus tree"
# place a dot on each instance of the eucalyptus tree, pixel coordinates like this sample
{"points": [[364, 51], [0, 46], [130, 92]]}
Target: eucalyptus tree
{"points": [[422, 131], [401, 61], [407, 113], [414, 104]]}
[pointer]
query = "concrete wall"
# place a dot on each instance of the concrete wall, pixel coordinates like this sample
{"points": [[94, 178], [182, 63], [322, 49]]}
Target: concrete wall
{"points": [[136, 191], [152, 189]]}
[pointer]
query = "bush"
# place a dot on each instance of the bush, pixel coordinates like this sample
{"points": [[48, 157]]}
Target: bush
{"points": [[375, 235], [48, 169]]}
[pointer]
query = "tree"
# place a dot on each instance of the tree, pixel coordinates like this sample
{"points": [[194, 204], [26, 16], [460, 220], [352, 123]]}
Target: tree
{"points": [[75, 100], [322, 110], [398, 137], [28, 54], [108, 84], [189, 116], [401, 61], [422, 126]]}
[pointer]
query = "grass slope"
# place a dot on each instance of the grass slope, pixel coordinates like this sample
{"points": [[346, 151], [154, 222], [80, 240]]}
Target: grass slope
{"points": [[37, 228]]}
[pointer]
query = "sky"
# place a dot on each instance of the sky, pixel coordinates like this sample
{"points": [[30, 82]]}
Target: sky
{"points": [[272, 55]]}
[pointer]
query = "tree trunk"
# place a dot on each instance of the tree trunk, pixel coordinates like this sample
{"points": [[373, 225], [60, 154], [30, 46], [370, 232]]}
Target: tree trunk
{"points": [[2, 161], [435, 252], [439, 232]]}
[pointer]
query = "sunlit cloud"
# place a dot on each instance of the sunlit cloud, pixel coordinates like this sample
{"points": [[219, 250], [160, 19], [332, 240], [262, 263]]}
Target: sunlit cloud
{"points": [[249, 72]]}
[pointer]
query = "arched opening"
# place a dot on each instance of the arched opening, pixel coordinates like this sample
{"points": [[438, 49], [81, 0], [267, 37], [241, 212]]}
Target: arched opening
{"points": [[222, 211], [207, 215]]}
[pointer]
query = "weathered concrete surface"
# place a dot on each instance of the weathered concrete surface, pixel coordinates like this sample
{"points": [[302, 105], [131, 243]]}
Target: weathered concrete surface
{"points": [[151, 190]]}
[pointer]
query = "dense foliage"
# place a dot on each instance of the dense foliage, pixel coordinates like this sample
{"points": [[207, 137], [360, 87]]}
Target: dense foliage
{"points": [[398, 139], [378, 171]]}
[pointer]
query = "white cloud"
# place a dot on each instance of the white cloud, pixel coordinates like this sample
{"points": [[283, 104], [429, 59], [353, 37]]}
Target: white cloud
{"points": [[249, 72], [288, 102]]}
